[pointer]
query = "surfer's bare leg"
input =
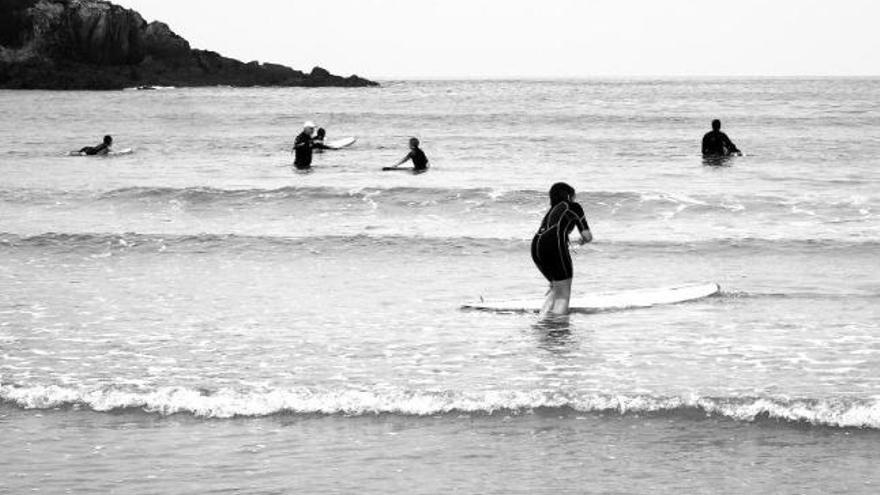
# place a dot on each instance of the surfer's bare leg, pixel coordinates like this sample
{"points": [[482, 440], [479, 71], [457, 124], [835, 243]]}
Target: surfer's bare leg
{"points": [[557, 298]]}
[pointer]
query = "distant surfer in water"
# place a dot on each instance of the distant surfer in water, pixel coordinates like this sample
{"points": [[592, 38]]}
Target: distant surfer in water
{"points": [[716, 143], [101, 149], [419, 160], [302, 147], [550, 246]]}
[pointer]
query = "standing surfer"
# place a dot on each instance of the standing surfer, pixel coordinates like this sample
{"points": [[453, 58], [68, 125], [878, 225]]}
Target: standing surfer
{"points": [[302, 147], [550, 246], [716, 143]]}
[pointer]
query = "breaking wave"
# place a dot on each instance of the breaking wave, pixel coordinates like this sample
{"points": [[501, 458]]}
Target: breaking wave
{"points": [[229, 403]]}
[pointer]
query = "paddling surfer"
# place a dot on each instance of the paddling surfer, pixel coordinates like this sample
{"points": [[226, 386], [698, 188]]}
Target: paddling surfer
{"points": [[550, 246], [101, 149]]}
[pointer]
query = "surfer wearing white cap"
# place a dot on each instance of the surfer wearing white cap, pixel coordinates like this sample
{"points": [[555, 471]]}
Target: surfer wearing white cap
{"points": [[302, 147]]}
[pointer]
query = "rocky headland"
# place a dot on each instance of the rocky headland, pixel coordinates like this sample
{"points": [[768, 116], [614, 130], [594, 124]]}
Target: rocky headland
{"points": [[94, 44]]}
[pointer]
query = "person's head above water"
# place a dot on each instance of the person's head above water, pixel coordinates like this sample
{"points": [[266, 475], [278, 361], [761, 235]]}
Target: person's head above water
{"points": [[716, 125], [560, 192], [321, 133], [309, 126], [108, 140], [413, 142]]}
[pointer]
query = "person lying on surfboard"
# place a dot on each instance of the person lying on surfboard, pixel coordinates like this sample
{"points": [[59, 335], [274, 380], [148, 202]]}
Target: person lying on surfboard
{"points": [[101, 149], [550, 246], [716, 143], [420, 161]]}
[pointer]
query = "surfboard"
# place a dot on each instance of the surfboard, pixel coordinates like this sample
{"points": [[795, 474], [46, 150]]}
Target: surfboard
{"points": [[607, 301], [338, 144], [404, 169], [123, 151]]}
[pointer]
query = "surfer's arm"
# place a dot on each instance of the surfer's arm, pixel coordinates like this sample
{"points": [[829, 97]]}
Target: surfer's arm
{"points": [[586, 236], [403, 160], [584, 229], [730, 146], [580, 220]]}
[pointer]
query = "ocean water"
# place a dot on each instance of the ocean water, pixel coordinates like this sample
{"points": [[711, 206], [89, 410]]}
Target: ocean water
{"points": [[197, 317]]}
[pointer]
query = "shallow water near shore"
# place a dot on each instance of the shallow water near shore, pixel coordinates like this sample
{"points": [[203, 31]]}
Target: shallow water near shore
{"points": [[546, 451], [198, 318]]}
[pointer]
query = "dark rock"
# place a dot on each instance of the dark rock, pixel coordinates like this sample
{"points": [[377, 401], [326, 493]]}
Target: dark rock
{"points": [[160, 41], [319, 72], [94, 44]]}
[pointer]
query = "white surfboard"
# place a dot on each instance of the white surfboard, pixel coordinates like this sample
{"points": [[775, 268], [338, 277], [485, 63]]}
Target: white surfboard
{"points": [[591, 303], [123, 151], [338, 144]]}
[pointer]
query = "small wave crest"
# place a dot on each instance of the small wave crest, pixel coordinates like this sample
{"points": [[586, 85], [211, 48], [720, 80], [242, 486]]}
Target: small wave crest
{"points": [[135, 242], [613, 203], [223, 243], [405, 195], [230, 403]]}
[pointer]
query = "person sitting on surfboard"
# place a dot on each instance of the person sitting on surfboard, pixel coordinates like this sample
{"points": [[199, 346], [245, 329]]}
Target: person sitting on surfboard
{"points": [[302, 147], [420, 161], [101, 149], [716, 143], [550, 246]]}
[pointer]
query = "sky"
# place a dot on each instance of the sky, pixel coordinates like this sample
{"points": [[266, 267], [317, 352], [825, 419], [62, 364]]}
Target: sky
{"points": [[447, 39]]}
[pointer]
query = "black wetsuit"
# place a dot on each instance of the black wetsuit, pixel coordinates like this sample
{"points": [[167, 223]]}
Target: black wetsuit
{"points": [[94, 150], [420, 161], [550, 244], [716, 143], [302, 148]]}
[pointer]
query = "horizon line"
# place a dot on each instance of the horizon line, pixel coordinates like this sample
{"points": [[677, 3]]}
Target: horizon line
{"points": [[619, 76]]}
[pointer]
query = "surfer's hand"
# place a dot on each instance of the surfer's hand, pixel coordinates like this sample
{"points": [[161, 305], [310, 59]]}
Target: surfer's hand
{"points": [[586, 236]]}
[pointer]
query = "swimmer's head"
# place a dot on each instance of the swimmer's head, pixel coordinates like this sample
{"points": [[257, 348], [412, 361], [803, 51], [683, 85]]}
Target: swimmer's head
{"points": [[413, 142], [560, 192], [309, 125], [321, 133], [716, 125], [108, 140]]}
